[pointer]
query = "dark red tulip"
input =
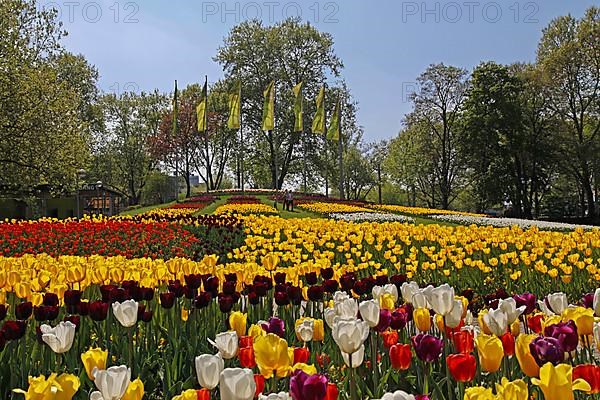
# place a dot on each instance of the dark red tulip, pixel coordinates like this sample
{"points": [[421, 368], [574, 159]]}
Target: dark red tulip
{"points": [[229, 287], [361, 287], [385, 318], [74, 319], [147, 316], [50, 299], [274, 325], [72, 297], [253, 298], [315, 293], [189, 292], [3, 311], [98, 310], [231, 277], [167, 299], [23, 310], [462, 366], [260, 289], [347, 281], [176, 288], [281, 299], [211, 284], [147, 293], [294, 293], [280, 278], [587, 300], [398, 280], [327, 273], [311, 278], [427, 347], [83, 308], [399, 320], [13, 330], [193, 280], [225, 303], [202, 300], [381, 280], [330, 286], [106, 291]]}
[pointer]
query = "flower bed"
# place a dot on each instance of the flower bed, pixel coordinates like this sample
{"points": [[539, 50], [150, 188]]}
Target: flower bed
{"points": [[246, 209], [371, 216], [328, 208], [419, 210], [508, 222]]}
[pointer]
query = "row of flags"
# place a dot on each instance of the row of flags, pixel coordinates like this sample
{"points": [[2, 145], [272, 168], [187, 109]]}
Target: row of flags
{"points": [[268, 116]]}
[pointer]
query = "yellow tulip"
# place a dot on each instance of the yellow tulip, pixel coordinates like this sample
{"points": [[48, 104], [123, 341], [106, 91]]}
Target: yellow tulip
{"points": [[61, 387], [237, 322], [271, 354], [256, 331], [190, 394], [386, 301], [306, 368], [557, 382], [135, 390], [490, 351], [515, 390], [422, 318], [94, 358], [482, 323], [318, 331], [270, 261], [583, 318], [524, 357], [479, 393], [515, 328]]}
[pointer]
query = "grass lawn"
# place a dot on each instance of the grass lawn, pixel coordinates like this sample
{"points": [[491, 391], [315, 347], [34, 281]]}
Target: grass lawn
{"points": [[141, 210], [210, 209]]}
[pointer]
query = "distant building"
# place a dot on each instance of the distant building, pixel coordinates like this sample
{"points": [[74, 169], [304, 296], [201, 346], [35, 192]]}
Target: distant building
{"points": [[194, 180]]}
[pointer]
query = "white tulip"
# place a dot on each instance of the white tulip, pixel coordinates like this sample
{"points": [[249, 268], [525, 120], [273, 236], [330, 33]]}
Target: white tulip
{"points": [[496, 321], [340, 296], [390, 289], [441, 298], [126, 312], [275, 396], [347, 308], [408, 290], [453, 318], [111, 383], [349, 334], [597, 302], [469, 318], [60, 338], [369, 311], [419, 300], [557, 302], [208, 370], [357, 358], [545, 309], [306, 329], [237, 384], [227, 343], [398, 395], [597, 333], [330, 315], [509, 306]]}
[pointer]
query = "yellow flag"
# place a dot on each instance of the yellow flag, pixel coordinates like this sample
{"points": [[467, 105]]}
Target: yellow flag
{"points": [[235, 98], [318, 125], [201, 109], [333, 133], [298, 108], [268, 117]]}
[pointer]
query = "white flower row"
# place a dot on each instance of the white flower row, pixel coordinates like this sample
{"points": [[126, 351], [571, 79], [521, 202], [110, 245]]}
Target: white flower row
{"points": [[374, 217], [508, 222]]}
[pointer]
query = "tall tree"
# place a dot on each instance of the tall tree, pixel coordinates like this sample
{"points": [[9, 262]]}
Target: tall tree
{"points": [[437, 105], [43, 131], [288, 52], [569, 56]]}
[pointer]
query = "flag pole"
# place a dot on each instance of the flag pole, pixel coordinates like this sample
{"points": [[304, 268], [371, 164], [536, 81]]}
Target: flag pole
{"points": [[175, 128], [242, 181]]}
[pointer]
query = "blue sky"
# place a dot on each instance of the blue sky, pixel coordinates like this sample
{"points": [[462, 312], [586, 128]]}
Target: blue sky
{"points": [[385, 45]]}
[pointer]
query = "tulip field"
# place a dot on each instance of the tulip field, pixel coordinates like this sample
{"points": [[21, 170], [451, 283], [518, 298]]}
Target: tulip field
{"points": [[355, 302]]}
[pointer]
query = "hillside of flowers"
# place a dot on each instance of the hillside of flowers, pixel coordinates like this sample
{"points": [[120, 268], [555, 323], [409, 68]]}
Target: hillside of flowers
{"points": [[238, 306]]}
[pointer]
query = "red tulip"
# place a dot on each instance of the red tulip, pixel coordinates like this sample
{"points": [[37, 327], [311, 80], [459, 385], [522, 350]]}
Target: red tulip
{"points": [[332, 392], [534, 322], [508, 344], [462, 366], [246, 356], [246, 341], [301, 355], [463, 341], [401, 356], [589, 373], [390, 338], [203, 394], [260, 384]]}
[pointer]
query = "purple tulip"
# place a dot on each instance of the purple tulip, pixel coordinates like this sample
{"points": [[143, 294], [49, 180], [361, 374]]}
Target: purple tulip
{"points": [[385, 319], [546, 349], [307, 387], [398, 320], [529, 300], [427, 347], [274, 325], [588, 300], [566, 333]]}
